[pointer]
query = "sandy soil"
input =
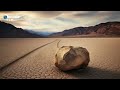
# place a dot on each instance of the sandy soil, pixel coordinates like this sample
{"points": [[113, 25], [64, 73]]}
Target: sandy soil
{"points": [[104, 56]]}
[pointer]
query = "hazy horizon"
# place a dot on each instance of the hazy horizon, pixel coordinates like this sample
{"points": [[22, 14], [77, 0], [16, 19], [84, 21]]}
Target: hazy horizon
{"points": [[57, 21]]}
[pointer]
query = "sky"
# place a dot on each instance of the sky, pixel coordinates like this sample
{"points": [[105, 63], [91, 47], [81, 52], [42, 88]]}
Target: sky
{"points": [[56, 21]]}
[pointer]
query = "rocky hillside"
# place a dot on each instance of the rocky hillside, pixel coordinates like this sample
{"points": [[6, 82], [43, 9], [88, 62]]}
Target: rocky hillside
{"points": [[10, 31], [103, 29]]}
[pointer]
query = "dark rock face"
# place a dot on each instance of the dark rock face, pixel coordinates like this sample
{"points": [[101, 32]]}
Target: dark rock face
{"points": [[10, 31], [69, 57], [109, 28]]}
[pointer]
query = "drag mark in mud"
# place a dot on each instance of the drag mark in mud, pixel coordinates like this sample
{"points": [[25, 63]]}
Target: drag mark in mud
{"points": [[26, 55], [58, 44]]}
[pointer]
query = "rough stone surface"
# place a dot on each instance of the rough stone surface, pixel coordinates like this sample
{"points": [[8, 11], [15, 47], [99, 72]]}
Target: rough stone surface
{"points": [[69, 57]]}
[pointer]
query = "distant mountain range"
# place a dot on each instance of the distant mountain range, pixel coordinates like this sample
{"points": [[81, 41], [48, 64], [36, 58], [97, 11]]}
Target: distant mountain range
{"points": [[10, 31], [111, 29], [44, 33], [108, 29]]}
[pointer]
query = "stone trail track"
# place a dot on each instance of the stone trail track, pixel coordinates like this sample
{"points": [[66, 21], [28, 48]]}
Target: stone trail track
{"points": [[39, 63]]}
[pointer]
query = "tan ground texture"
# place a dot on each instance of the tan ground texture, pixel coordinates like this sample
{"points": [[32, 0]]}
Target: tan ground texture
{"points": [[28, 58]]}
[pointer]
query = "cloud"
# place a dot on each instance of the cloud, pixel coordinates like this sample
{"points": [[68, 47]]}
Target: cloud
{"points": [[60, 20], [47, 14], [85, 13], [68, 20], [113, 16]]}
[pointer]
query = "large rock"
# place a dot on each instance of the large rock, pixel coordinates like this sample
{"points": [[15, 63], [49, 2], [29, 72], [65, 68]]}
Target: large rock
{"points": [[69, 57]]}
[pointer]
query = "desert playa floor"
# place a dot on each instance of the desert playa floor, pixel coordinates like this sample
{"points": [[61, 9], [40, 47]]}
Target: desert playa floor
{"points": [[33, 58]]}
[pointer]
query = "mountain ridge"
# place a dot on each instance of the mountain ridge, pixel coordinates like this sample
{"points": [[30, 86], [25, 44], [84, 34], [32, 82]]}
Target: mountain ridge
{"points": [[111, 29], [102, 29], [10, 31]]}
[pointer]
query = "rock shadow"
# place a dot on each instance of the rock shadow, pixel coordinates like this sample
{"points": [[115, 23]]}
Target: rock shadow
{"points": [[94, 73]]}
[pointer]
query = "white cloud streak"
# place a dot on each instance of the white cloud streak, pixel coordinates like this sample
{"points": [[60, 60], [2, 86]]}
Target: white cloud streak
{"points": [[60, 20]]}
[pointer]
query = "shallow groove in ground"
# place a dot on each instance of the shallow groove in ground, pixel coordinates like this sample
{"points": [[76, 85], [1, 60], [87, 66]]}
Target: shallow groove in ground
{"points": [[26, 54]]}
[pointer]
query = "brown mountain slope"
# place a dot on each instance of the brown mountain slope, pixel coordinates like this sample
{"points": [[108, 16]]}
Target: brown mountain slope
{"points": [[10, 31], [103, 29]]}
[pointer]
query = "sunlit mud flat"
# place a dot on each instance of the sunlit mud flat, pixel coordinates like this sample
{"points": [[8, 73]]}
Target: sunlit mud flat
{"points": [[19, 62]]}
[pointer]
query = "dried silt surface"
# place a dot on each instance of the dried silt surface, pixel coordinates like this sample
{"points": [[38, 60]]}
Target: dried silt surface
{"points": [[69, 57]]}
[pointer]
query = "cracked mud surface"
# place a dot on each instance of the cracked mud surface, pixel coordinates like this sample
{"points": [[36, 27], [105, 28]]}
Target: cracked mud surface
{"points": [[12, 49], [104, 64]]}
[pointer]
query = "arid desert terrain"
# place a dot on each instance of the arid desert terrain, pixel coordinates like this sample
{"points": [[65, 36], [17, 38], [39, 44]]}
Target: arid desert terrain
{"points": [[33, 58]]}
